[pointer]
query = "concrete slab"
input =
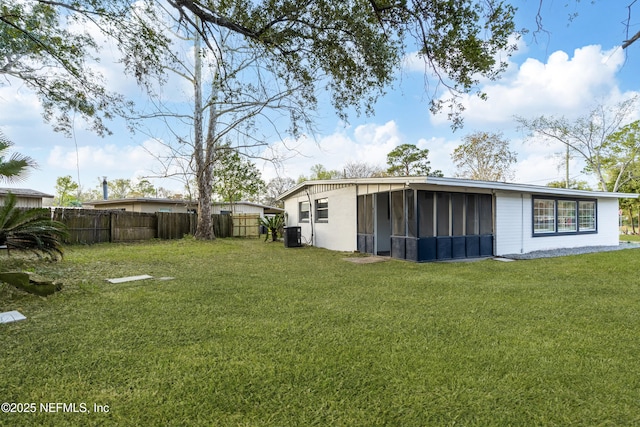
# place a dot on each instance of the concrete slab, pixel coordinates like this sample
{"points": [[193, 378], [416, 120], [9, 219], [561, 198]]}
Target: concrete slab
{"points": [[11, 316], [129, 278], [366, 259]]}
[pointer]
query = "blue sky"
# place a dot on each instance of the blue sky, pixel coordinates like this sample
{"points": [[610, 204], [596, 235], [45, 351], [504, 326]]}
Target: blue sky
{"points": [[562, 71]]}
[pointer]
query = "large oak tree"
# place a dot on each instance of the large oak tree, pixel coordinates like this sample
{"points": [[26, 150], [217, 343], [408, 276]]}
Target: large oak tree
{"points": [[283, 53]]}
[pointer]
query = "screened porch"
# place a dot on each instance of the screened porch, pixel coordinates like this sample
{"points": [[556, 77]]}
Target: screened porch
{"points": [[423, 225]]}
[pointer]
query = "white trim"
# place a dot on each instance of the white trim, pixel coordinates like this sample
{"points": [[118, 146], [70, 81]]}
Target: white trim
{"points": [[459, 183]]}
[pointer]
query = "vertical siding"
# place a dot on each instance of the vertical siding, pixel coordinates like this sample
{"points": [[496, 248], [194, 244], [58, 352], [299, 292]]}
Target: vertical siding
{"points": [[25, 202], [238, 209], [512, 220], [514, 232]]}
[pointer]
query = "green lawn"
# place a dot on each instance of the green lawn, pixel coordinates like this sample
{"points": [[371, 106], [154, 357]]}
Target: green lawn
{"points": [[254, 334], [629, 238]]}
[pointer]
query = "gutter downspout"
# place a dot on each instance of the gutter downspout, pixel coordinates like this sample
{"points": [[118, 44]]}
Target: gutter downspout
{"points": [[310, 215], [521, 222]]}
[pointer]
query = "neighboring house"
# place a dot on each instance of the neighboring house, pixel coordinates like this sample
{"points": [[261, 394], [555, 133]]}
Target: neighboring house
{"points": [[144, 204], [431, 218], [245, 208], [25, 198]]}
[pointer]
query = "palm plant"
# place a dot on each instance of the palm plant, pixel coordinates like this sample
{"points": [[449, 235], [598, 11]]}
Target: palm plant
{"points": [[30, 229], [273, 224], [15, 167]]}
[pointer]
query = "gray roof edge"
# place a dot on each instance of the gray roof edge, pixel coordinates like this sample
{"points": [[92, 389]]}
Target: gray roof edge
{"points": [[25, 192], [468, 183], [141, 199], [242, 202]]}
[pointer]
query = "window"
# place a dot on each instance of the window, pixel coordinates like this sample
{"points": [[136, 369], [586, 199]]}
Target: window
{"points": [[587, 215], [558, 216], [303, 212], [544, 216], [322, 210], [567, 216]]}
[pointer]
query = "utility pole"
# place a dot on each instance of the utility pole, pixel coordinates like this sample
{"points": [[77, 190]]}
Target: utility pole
{"points": [[566, 165]]}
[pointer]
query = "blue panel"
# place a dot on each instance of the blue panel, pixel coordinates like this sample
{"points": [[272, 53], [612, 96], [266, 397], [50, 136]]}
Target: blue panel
{"points": [[397, 247], [473, 246], [411, 249], [427, 249], [369, 243], [443, 247], [486, 245], [458, 247]]}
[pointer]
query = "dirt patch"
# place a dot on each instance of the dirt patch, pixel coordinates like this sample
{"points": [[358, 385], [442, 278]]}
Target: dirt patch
{"points": [[366, 259]]}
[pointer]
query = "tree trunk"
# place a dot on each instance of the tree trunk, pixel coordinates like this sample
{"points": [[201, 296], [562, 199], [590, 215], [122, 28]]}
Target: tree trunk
{"points": [[203, 165]]}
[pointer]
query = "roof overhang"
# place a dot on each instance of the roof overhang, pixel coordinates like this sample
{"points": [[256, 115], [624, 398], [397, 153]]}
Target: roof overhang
{"points": [[414, 181], [25, 192], [172, 202]]}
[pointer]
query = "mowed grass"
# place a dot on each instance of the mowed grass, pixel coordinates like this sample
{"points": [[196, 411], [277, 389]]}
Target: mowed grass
{"points": [[254, 334]]}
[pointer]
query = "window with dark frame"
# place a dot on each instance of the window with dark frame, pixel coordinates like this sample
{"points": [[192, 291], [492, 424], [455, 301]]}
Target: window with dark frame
{"points": [[554, 216], [567, 216], [587, 215]]}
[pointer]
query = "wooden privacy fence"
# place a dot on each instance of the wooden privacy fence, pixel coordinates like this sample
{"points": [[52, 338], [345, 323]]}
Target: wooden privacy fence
{"points": [[246, 225], [90, 226]]}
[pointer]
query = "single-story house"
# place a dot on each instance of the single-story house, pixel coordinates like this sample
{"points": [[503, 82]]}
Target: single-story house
{"points": [[245, 208], [433, 218], [25, 198], [144, 204]]}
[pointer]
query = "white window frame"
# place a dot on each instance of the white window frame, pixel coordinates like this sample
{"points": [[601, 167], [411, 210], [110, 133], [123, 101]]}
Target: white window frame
{"points": [[302, 210], [322, 209]]}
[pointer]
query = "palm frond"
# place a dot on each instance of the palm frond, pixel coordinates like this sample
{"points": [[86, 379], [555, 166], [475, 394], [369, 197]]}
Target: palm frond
{"points": [[30, 230], [17, 166]]}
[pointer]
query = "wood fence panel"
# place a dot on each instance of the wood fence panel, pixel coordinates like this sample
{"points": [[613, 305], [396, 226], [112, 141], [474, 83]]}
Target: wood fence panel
{"points": [[222, 225], [89, 226], [246, 225], [133, 226], [175, 225], [85, 226]]}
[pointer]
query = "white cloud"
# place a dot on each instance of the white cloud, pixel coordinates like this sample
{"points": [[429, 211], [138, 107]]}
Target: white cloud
{"points": [[563, 85], [369, 143], [440, 150], [110, 160]]}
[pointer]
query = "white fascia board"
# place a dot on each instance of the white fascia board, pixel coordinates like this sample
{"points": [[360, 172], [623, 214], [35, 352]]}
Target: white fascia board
{"points": [[466, 183]]}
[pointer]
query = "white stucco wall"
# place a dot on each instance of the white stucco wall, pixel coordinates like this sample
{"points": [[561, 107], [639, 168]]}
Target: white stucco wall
{"points": [[513, 233], [339, 232]]}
